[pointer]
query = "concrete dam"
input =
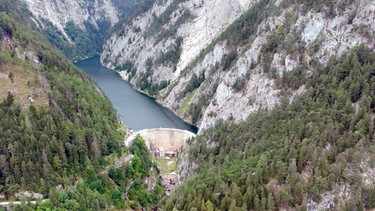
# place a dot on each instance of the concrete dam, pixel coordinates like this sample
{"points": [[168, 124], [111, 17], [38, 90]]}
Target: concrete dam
{"points": [[163, 142]]}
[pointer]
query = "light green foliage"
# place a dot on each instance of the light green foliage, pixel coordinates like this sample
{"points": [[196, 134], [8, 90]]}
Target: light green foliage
{"points": [[167, 165]]}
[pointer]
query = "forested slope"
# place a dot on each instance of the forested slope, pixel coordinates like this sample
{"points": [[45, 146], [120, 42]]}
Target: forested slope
{"points": [[59, 133], [315, 151]]}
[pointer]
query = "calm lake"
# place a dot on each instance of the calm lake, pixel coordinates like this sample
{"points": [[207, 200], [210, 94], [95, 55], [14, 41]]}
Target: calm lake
{"points": [[136, 110]]}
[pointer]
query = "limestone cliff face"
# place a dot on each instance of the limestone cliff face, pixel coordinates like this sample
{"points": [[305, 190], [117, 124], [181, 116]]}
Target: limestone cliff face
{"points": [[212, 60], [59, 12], [197, 22]]}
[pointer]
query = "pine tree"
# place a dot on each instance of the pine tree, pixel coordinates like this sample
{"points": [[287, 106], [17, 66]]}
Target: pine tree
{"points": [[270, 203]]}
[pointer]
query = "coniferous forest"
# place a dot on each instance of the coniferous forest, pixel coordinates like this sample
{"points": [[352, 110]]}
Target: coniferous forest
{"points": [[59, 133], [321, 142]]}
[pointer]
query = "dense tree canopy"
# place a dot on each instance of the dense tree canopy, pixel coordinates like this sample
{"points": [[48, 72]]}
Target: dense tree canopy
{"points": [[59, 132], [276, 159]]}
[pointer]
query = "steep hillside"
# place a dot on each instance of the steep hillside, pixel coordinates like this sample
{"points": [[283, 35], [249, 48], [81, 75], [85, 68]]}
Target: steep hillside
{"points": [[59, 134], [315, 153], [283, 93], [210, 60], [48, 113], [75, 27], [78, 28]]}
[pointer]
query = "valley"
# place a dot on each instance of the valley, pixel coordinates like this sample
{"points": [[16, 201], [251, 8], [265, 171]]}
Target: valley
{"points": [[281, 94]]}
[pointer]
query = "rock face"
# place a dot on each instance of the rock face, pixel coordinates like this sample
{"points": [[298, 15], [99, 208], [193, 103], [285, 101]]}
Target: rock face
{"points": [[59, 12], [187, 52], [198, 23]]}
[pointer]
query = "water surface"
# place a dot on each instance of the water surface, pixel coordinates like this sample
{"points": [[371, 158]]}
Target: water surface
{"points": [[136, 110]]}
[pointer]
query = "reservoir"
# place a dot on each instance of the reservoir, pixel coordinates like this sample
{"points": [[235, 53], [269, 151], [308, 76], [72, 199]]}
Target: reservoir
{"points": [[136, 110]]}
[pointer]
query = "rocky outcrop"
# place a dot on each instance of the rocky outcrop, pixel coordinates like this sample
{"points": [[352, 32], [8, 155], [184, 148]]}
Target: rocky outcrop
{"points": [[59, 12], [185, 54], [198, 23]]}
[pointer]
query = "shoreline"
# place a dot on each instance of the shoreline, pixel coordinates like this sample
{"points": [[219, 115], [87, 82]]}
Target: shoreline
{"points": [[125, 76]]}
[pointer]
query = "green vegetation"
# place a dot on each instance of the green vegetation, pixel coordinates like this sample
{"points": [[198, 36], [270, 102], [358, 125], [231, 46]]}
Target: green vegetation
{"points": [[16, 12], [145, 83], [151, 88], [196, 109], [136, 7], [50, 141], [238, 33], [280, 158], [167, 165], [60, 142], [161, 20], [105, 191], [194, 83], [229, 59], [240, 83], [128, 8], [172, 30], [130, 177], [172, 56], [88, 41], [127, 65]]}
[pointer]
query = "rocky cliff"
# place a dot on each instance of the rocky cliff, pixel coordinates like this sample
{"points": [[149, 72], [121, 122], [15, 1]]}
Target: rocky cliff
{"points": [[211, 60], [60, 12], [78, 28]]}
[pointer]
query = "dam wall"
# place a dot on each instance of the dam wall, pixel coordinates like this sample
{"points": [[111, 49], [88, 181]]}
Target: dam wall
{"points": [[163, 141]]}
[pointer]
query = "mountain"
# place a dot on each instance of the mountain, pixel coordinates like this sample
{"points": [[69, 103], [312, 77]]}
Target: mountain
{"points": [[78, 28], [211, 60], [60, 137], [283, 93], [314, 153]]}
